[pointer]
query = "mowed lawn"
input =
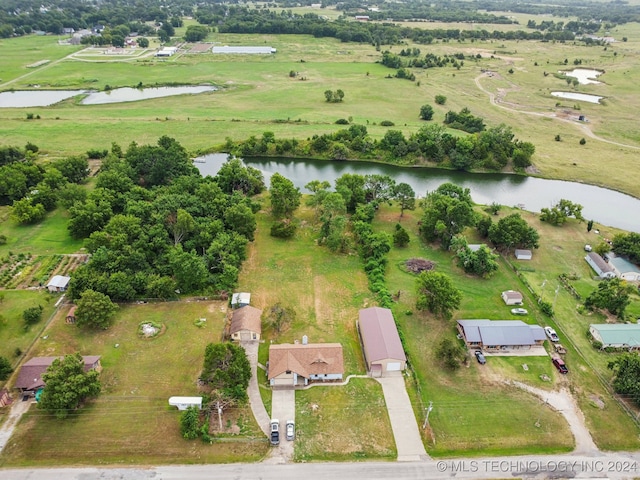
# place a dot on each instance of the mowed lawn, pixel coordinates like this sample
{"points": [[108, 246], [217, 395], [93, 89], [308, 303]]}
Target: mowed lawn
{"points": [[131, 421]]}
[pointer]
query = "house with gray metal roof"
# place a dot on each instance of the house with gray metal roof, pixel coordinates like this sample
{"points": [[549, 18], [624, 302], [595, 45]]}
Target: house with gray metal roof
{"points": [[598, 264], [501, 335], [616, 335], [381, 345]]}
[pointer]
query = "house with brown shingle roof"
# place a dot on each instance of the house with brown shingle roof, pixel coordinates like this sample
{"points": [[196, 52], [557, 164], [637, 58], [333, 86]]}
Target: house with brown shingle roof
{"points": [[381, 345], [30, 377], [298, 364], [246, 323]]}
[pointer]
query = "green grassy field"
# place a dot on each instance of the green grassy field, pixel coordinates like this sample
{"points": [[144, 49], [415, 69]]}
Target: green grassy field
{"points": [[257, 92], [131, 421]]}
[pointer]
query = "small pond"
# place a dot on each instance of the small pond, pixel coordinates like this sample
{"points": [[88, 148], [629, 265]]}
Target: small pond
{"points": [[582, 97], [120, 95], [35, 98], [585, 76]]}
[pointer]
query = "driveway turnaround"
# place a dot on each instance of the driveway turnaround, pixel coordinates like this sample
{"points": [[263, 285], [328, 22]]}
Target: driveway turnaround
{"points": [[283, 407], [403, 421], [255, 400]]}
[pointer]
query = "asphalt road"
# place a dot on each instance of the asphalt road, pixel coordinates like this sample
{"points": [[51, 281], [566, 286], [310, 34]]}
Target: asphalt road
{"points": [[599, 465]]}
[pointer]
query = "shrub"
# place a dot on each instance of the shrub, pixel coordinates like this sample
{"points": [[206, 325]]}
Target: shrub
{"points": [[440, 99], [387, 123], [546, 308], [283, 229], [582, 141], [32, 315], [342, 121]]}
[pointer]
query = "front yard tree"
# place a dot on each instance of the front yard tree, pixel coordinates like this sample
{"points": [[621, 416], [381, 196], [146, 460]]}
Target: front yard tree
{"points": [[626, 369], [285, 197], [226, 369], [560, 212], [437, 294], [513, 231], [95, 310], [67, 385], [447, 211], [612, 295], [405, 196]]}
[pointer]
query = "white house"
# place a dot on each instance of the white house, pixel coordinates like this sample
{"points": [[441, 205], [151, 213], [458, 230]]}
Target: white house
{"points": [[597, 263], [185, 402]]}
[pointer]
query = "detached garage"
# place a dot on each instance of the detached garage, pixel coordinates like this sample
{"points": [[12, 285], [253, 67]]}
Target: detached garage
{"points": [[381, 343]]}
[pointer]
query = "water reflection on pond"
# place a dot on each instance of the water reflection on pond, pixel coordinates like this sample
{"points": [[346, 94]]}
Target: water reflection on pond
{"points": [[583, 97], [126, 94], [600, 204], [35, 98]]}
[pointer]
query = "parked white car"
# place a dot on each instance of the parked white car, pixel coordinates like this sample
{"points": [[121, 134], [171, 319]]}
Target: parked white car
{"points": [[519, 311], [551, 333]]}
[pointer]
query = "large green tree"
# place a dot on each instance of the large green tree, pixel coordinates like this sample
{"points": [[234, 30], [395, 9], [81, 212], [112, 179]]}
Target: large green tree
{"points": [[95, 310], [626, 369], [628, 244], [436, 293], [285, 197], [405, 196], [561, 212], [67, 385], [226, 370], [612, 295], [513, 231], [5, 369], [447, 211]]}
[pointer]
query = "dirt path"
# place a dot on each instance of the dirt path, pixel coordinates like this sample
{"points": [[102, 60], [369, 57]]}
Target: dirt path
{"points": [[563, 402], [497, 102]]}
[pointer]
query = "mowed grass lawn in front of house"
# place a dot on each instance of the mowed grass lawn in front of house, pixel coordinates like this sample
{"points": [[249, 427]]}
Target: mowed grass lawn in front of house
{"points": [[131, 421], [13, 335], [343, 423]]}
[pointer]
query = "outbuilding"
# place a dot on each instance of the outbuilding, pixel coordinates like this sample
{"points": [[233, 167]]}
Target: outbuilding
{"points": [[523, 254], [381, 345], [58, 283], [240, 299], [598, 264], [511, 297], [616, 335], [624, 269], [246, 324], [185, 402]]}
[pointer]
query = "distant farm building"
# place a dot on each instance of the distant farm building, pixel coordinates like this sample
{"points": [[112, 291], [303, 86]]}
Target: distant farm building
{"points": [[381, 343], [58, 283], [511, 297], [523, 254], [362, 18], [167, 52], [598, 264], [4, 398], [246, 323], [243, 50]]}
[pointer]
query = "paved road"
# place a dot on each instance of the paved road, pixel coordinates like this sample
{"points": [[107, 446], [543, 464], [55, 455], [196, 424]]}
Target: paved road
{"points": [[255, 400], [613, 466], [403, 421]]}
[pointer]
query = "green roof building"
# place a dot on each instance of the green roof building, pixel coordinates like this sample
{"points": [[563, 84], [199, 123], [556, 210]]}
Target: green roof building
{"points": [[617, 335]]}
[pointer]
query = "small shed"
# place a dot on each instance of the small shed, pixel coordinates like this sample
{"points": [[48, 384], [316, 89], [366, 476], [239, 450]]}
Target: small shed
{"points": [[5, 399], [240, 299], [598, 264], [71, 316], [58, 283], [185, 402], [381, 343], [523, 254], [246, 324], [474, 247], [511, 297]]}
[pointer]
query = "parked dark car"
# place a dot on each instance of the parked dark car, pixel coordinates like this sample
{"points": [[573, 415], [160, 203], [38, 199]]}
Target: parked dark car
{"points": [[480, 357], [560, 365], [275, 432]]}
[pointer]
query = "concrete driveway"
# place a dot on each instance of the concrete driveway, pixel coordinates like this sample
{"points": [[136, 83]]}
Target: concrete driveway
{"points": [[255, 400], [283, 407], [403, 421]]}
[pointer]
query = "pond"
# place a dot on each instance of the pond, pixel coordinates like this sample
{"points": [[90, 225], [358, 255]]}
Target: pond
{"points": [[604, 206], [585, 76], [126, 94], [45, 98], [35, 98], [582, 97]]}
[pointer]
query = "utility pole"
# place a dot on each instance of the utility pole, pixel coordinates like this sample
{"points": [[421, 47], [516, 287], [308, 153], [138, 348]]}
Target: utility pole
{"points": [[426, 419]]}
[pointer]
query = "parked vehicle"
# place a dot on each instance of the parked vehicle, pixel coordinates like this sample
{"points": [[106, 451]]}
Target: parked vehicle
{"points": [[480, 357], [275, 432], [560, 365], [519, 311], [551, 333], [291, 430]]}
